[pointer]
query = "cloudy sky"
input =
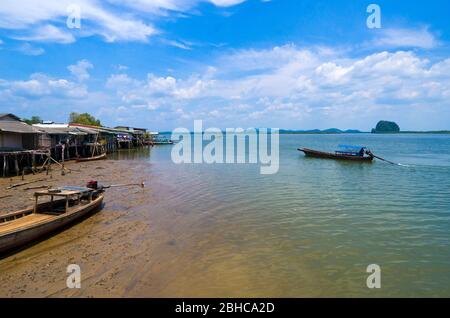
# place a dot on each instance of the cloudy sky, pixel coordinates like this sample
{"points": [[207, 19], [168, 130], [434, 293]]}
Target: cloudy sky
{"points": [[294, 64]]}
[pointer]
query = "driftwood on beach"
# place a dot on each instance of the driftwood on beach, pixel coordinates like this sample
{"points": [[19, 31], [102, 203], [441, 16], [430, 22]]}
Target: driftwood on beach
{"points": [[23, 183], [37, 187]]}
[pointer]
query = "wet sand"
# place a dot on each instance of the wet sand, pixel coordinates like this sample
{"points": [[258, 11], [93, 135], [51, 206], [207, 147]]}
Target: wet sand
{"points": [[143, 243], [227, 231], [111, 246]]}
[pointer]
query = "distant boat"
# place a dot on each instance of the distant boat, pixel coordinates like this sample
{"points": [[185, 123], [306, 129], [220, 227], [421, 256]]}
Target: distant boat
{"points": [[99, 157], [350, 153], [19, 228], [162, 141]]}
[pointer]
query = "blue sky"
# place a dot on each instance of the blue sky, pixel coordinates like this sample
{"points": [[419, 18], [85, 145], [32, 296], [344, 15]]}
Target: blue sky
{"points": [[290, 64]]}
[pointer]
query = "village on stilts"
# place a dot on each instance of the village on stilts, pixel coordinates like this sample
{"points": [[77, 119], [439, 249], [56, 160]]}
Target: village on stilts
{"points": [[26, 148]]}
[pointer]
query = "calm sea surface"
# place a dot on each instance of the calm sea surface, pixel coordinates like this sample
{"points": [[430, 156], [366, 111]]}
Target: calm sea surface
{"points": [[314, 227]]}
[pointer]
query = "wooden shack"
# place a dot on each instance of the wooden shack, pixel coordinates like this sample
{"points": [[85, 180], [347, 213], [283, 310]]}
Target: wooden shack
{"points": [[19, 142], [138, 134], [17, 135]]}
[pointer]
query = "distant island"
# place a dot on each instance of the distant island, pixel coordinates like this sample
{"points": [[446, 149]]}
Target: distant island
{"points": [[335, 131], [382, 127], [386, 127]]}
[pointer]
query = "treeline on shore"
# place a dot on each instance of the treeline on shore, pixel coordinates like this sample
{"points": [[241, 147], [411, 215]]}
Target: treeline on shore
{"points": [[74, 118], [382, 127]]}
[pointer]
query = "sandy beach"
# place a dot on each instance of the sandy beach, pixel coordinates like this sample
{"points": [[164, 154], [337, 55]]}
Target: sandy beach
{"points": [[109, 246], [151, 242]]}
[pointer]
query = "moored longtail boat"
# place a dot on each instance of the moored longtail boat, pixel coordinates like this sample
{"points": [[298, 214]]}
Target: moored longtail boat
{"points": [[162, 141], [20, 228], [99, 157], [350, 153]]}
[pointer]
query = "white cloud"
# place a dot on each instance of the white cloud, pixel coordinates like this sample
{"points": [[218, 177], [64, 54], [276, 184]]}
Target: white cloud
{"points": [[80, 70], [290, 86], [41, 85], [226, 3], [178, 44], [157, 91], [119, 81], [406, 38], [45, 21], [161, 7], [120, 67], [28, 49], [285, 86], [47, 33]]}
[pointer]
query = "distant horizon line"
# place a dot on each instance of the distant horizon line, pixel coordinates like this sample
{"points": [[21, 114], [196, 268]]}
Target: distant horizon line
{"points": [[284, 131], [332, 131]]}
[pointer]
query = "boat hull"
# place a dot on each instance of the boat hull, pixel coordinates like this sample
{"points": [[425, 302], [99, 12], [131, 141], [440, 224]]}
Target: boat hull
{"points": [[163, 143], [99, 157], [329, 155], [20, 237]]}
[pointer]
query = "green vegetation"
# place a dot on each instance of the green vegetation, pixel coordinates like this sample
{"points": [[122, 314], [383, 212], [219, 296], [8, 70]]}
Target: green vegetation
{"points": [[84, 119], [33, 120], [384, 126]]}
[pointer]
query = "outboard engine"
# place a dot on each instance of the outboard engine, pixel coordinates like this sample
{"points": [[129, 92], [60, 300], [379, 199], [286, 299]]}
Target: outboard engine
{"points": [[92, 184]]}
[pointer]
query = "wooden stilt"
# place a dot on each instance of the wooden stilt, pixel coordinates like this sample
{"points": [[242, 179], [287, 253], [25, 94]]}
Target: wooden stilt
{"points": [[49, 164], [62, 156], [16, 165], [4, 166], [95, 144], [33, 164], [76, 149]]}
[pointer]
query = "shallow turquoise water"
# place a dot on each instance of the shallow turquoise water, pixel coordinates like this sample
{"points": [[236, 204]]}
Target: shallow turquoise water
{"points": [[314, 227]]}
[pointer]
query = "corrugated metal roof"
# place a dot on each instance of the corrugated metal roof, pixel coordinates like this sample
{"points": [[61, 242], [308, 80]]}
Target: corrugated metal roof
{"points": [[17, 127], [52, 125], [63, 131], [9, 115], [115, 131], [91, 131]]}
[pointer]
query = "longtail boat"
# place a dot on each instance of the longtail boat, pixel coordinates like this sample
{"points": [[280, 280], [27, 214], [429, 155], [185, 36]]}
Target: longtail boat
{"points": [[20, 228], [162, 141], [99, 157], [350, 153]]}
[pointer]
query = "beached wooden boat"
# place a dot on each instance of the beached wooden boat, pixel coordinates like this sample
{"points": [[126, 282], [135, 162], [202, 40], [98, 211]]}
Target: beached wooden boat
{"points": [[20, 228], [353, 154], [99, 157]]}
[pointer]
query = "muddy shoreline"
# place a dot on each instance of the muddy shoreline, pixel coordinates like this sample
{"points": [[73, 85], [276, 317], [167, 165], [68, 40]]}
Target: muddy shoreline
{"points": [[76, 174], [150, 242], [110, 246]]}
